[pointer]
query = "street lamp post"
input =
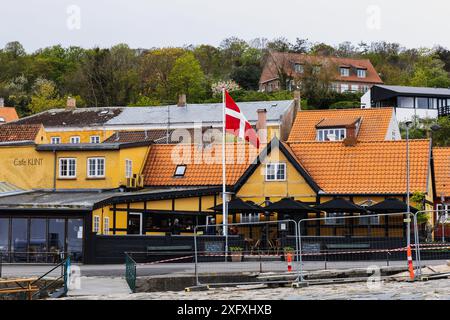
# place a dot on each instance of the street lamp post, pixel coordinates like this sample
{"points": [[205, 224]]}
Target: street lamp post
{"points": [[408, 204]]}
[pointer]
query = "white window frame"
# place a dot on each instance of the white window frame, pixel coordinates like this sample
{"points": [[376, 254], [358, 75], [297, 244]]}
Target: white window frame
{"points": [[68, 164], [276, 171], [355, 88], [346, 73], [369, 221], [442, 206], [75, 139], [361, 73], [55, 140], [322, 134], [331, 218], [106, 225], [249, 217], [128, 168], [344, 87], [96, 224], [97, 138], [96, 166], [141, 221]]}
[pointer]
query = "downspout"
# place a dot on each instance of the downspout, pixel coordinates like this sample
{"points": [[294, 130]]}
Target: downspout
{"points": [[54, 169]]}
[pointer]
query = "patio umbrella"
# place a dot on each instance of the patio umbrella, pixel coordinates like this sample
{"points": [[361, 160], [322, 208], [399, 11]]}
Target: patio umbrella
{"points": [[340, 205], [240, 206], [391, 205], [287, 205]]}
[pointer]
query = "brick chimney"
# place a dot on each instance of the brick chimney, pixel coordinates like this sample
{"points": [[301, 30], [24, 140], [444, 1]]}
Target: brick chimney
{"points": [[261, 125], [182, 100], [71, 103], [350, 140], [297, 99]]}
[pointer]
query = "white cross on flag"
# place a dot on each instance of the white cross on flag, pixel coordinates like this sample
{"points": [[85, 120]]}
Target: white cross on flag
{"points": [[237, 124]]}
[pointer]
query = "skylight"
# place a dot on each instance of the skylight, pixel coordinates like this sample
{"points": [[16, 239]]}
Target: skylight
{"points": [[180, 171]]}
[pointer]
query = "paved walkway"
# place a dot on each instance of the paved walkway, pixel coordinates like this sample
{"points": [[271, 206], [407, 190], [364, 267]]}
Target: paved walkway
{"points": [[98, 286]]}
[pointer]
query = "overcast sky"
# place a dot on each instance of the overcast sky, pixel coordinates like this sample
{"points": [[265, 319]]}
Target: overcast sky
{"points": [[150, 23]]}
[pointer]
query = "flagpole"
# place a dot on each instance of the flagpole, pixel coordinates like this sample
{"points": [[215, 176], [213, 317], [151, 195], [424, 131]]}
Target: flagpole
{"points": [[224, 176]]}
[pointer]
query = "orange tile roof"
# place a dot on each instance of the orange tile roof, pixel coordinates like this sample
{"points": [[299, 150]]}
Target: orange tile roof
{"points": [[377, 167], [441, 159], [374, 122], [287, 61], [13, 132], [337, 122], [8, 114], [201, 169]]}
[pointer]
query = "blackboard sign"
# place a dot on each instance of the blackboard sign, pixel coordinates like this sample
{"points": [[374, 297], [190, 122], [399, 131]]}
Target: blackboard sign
{"points": [[311, 247], [214, 246]]}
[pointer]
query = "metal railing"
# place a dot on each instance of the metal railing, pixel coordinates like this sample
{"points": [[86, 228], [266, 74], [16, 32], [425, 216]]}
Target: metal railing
{"points": [[64, 276], [130, 271]]}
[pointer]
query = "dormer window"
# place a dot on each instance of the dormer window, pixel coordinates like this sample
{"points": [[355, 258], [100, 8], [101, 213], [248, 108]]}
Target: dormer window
{"points": [[180, 171], [345, 72], [362, 73], [331, 134], [299, 68]]}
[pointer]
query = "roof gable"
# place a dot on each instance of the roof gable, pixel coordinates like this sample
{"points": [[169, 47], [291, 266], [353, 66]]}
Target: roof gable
{"points": [[8, 114], [15, 133]]}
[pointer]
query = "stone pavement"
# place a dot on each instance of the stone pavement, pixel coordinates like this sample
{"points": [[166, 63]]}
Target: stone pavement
{"points": [[430, 290], [99, 286]]}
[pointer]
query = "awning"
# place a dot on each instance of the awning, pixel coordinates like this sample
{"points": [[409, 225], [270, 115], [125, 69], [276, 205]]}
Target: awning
{"points": [[340, 205], [239, 206], [391, 205], [288, 205]]}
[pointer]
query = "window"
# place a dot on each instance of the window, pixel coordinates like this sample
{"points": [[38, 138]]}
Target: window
{"points": [[95, 139], [355, 87], [180, 171], [128, 168], [299, 68], [74, 139], [106, 226], [249, 217], [332, 218], [67, 168], [275, 172], [422, 103], [96, 224], [364, 88], [345, 72], [55, 140], [326, 134], [405, 102], [361, 73], [441, 214], [344, 87], [96, 167], [372, 220]]}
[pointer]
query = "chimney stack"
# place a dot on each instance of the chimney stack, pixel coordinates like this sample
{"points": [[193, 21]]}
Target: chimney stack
{"points": [[261, 125], [297, 99], [2, 102], [182, 100], [71, 103], [350, 140]]}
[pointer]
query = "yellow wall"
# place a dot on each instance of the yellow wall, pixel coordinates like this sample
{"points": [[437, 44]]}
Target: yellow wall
{"points": [[85, 135], [28, 168], [256, 188]]}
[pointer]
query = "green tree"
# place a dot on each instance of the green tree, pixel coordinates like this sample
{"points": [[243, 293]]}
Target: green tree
{"points": [[430, 72], [45, 96], [187, 77]]}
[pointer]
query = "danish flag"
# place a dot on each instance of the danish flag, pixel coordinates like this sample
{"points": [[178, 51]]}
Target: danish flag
{"points": [[237, 124]]}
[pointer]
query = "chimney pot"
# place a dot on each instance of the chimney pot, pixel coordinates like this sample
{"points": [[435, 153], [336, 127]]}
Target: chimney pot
{"points": [[261, 125], [71, 103], [182, 100]]}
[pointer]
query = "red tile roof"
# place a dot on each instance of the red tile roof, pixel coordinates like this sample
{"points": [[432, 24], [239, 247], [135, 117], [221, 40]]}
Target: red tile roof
{"points": [[374, 122], [284, 60], [8, 114], [441, 159], [377, 167], [203, 166], [14, 133]]}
